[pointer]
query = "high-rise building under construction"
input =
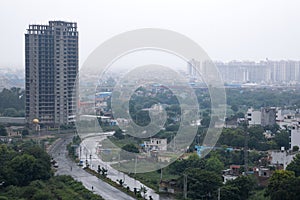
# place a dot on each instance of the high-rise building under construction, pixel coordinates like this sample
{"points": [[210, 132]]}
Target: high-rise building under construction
{"points": [[51, 62]]}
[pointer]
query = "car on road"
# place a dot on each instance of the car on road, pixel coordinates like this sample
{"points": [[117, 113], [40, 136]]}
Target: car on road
{"points": [[80, 163]]}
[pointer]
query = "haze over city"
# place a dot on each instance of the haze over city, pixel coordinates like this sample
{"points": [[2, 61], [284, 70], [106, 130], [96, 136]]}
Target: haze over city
{"points": [[150, 100], [227, 30]]}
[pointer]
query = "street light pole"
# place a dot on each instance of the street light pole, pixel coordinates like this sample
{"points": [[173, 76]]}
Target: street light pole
{"points": [[39, 132], [37, 129]]}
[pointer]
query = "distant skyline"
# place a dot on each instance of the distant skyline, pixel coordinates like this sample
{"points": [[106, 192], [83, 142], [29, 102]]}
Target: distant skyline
{"points": [[226, 29]]}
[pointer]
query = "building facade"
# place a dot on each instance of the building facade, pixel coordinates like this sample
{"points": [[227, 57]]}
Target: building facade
{"points": [[253, 117], [263, 72], [268, 116], [294, 137], [156, 144], [263, 117], [51, 68]]}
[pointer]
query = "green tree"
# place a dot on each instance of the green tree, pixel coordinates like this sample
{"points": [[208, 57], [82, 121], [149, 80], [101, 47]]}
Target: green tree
{"points": [[130, 148], [10, 112], [119, 134], [240, 115], [202, 183], [13, 98], [245, 185], [235, 108], [214, 164], [295, 148], [280, 185], [3, 131], [21, 170], [205, 122], [274, 128], [41, 166], [230, 192], [121, 182], [25, 132], [193, 161], [104, 172], [282, 139], [295, 165]]}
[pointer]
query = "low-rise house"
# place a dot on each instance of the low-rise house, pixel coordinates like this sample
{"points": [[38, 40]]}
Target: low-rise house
{"points": [[14, 130], [282, 158], [156, 144]]}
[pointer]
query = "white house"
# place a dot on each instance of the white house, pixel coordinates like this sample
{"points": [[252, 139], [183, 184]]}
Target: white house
{"points": [[253, 117], [156, 144], [294, 136], [281, 158]]}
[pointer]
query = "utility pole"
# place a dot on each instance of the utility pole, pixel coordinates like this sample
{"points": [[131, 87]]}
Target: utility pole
{"points": [[246, 152], [174, 143], [91, 160], [135, 165], [39, 132], [184, 186], [80, 152], [219, 193]]}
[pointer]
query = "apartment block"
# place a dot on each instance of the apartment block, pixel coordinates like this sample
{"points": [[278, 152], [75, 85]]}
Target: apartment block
{"points": [[51, 69]]}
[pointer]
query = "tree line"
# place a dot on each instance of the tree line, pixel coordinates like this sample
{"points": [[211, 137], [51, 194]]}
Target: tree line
{"points": [[12, 102], [26, 173]]}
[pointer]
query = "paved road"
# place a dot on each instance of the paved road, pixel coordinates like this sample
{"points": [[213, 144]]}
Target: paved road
{"points": [[91, 143], [67, 167]]}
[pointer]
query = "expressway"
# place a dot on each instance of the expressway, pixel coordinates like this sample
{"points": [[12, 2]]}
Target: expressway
{"points": [[67, 167]]}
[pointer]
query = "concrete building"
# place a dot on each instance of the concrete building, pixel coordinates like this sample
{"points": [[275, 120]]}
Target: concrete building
{"points": [[294, 137], [263, 117], [263, 72], [268, 116], [193, 66], [283, 158], [156, 144], [51, 68], [253, 117]]}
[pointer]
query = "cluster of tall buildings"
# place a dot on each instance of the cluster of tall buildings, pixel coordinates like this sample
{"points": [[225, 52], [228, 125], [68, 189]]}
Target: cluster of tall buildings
{"points": [[263, 72], [51, 68]]}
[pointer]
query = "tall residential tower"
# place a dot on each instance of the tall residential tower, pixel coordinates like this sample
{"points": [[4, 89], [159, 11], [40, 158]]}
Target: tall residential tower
{"points": [[51, 62]]}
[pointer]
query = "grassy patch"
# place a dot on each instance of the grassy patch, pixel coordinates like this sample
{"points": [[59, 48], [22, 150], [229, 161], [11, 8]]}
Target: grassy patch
{"points": [[152, 179]]}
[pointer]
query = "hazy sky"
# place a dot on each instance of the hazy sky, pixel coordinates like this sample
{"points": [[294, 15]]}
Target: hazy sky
{"points": [[226, 29]]}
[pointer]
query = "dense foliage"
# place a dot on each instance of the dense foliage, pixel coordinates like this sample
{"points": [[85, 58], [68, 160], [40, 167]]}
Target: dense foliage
{"points": [[58, 187], [283, 185], [22, 164], [263, 97], [202, 183], [236, 137], [295, 165], [3, 131], [26, 174], [240, 188], [12, 102]]}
